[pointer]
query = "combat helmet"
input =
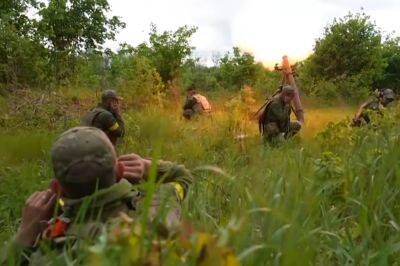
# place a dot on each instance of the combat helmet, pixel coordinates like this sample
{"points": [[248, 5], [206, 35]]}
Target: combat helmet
{"points": [[110, 94], [387, 94], [83, 160]]}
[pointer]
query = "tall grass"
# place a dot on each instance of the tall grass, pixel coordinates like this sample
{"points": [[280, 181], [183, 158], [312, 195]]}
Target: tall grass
{"points": [[328, 197]]}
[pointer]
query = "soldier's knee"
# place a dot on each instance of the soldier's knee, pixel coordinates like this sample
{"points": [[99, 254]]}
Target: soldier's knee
{"points": [[295, 126], [272, 129], [188, 113], [197, 108]]}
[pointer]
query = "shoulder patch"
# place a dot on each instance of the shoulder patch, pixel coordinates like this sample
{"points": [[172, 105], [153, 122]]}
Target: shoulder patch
{"points": [[114, 127]]}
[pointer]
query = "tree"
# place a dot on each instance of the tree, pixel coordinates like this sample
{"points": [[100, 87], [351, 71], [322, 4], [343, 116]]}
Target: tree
{"points": [[200, 76], [391, 55], [167, 51], [238, 69], [69, 27], [350, 45], [22, 57], [134, 76], [348, 56]]}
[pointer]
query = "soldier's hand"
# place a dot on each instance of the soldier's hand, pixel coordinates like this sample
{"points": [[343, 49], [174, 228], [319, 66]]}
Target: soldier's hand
{"points": [[115, 107], [135, 167], [38, 210]]}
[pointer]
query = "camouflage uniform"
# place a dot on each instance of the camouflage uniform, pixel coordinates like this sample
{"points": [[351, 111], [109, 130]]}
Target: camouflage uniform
{"points": [[275, 120], [376, 105], [100, 117], [191, 107], [83, 159], [194, 106]]}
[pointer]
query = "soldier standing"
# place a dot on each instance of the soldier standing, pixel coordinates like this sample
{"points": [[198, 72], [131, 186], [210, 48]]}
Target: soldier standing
{"points": [[107, 116]]}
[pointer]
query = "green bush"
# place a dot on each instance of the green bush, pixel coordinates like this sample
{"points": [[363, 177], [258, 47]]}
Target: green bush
{"points": [[348, 56], [135, 78]]}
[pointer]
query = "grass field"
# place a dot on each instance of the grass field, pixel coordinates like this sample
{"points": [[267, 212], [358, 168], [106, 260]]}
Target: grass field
{"points": [[329, 198]]}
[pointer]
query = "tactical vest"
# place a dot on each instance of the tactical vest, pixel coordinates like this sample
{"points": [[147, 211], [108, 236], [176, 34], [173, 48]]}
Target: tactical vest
{"points": [[203, 102]]}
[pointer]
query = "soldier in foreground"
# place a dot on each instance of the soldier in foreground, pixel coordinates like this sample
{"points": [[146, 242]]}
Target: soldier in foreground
{"points": [[274, 122], [195, 104], [107, 116], [376, 105], [87, 173]]}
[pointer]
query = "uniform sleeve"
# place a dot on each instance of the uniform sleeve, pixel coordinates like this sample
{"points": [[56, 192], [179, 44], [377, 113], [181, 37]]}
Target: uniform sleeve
{"points": [[362, 109], [109, 123], [177, 175], [190, 102]]}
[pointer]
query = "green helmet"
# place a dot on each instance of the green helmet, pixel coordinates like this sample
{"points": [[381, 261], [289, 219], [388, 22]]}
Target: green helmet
{"points": [[288, 89], [83, 159], [109, 94], [387, 94]]}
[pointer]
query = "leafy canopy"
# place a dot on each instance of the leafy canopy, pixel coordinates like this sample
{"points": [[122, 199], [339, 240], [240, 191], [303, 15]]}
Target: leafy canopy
{"points": [[168, 50], [75, 25]]}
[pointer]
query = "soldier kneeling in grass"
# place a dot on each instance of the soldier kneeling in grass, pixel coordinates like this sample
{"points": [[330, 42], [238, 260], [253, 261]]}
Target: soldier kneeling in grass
{"points": [[92, 188], [274, 122], [195, 104], [376, 105]]}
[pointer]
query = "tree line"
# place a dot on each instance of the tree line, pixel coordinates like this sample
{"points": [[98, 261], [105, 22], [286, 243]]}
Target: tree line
{"points": [[45, 45]]}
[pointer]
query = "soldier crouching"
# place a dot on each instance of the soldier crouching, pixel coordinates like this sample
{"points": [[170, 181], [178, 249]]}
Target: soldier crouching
{"points": [[195, 104], [274, 122]]}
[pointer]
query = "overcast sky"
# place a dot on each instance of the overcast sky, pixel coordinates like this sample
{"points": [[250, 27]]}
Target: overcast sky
{"points": [[266, 28]]}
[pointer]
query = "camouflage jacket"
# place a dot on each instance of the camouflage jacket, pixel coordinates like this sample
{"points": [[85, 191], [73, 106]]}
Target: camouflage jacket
{"points": [[277, 112], [85, 218], [372, 105], [190, 103], [111, 124]]}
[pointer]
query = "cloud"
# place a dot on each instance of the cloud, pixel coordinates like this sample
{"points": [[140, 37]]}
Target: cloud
{"points": [[266, 28]]}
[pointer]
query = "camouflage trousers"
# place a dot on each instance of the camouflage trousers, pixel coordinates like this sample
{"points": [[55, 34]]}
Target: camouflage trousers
{"points": [[273, 134], [196, 110]]}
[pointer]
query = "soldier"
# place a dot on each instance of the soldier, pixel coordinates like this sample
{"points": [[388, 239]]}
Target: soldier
{"points": [[107, 116], [85, 167], [377, 105], [274, 121], [195, 104]]}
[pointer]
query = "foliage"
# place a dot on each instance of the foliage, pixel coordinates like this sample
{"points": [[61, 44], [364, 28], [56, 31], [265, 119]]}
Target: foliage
{"points": [[391, 55], [22, 60], [331, 199], [200, 76], [232, 72], [168, 50], [349, 55], [71, 26], [44, 50], [237, 69], [92, 70], [135, 77], [21, 54]]}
